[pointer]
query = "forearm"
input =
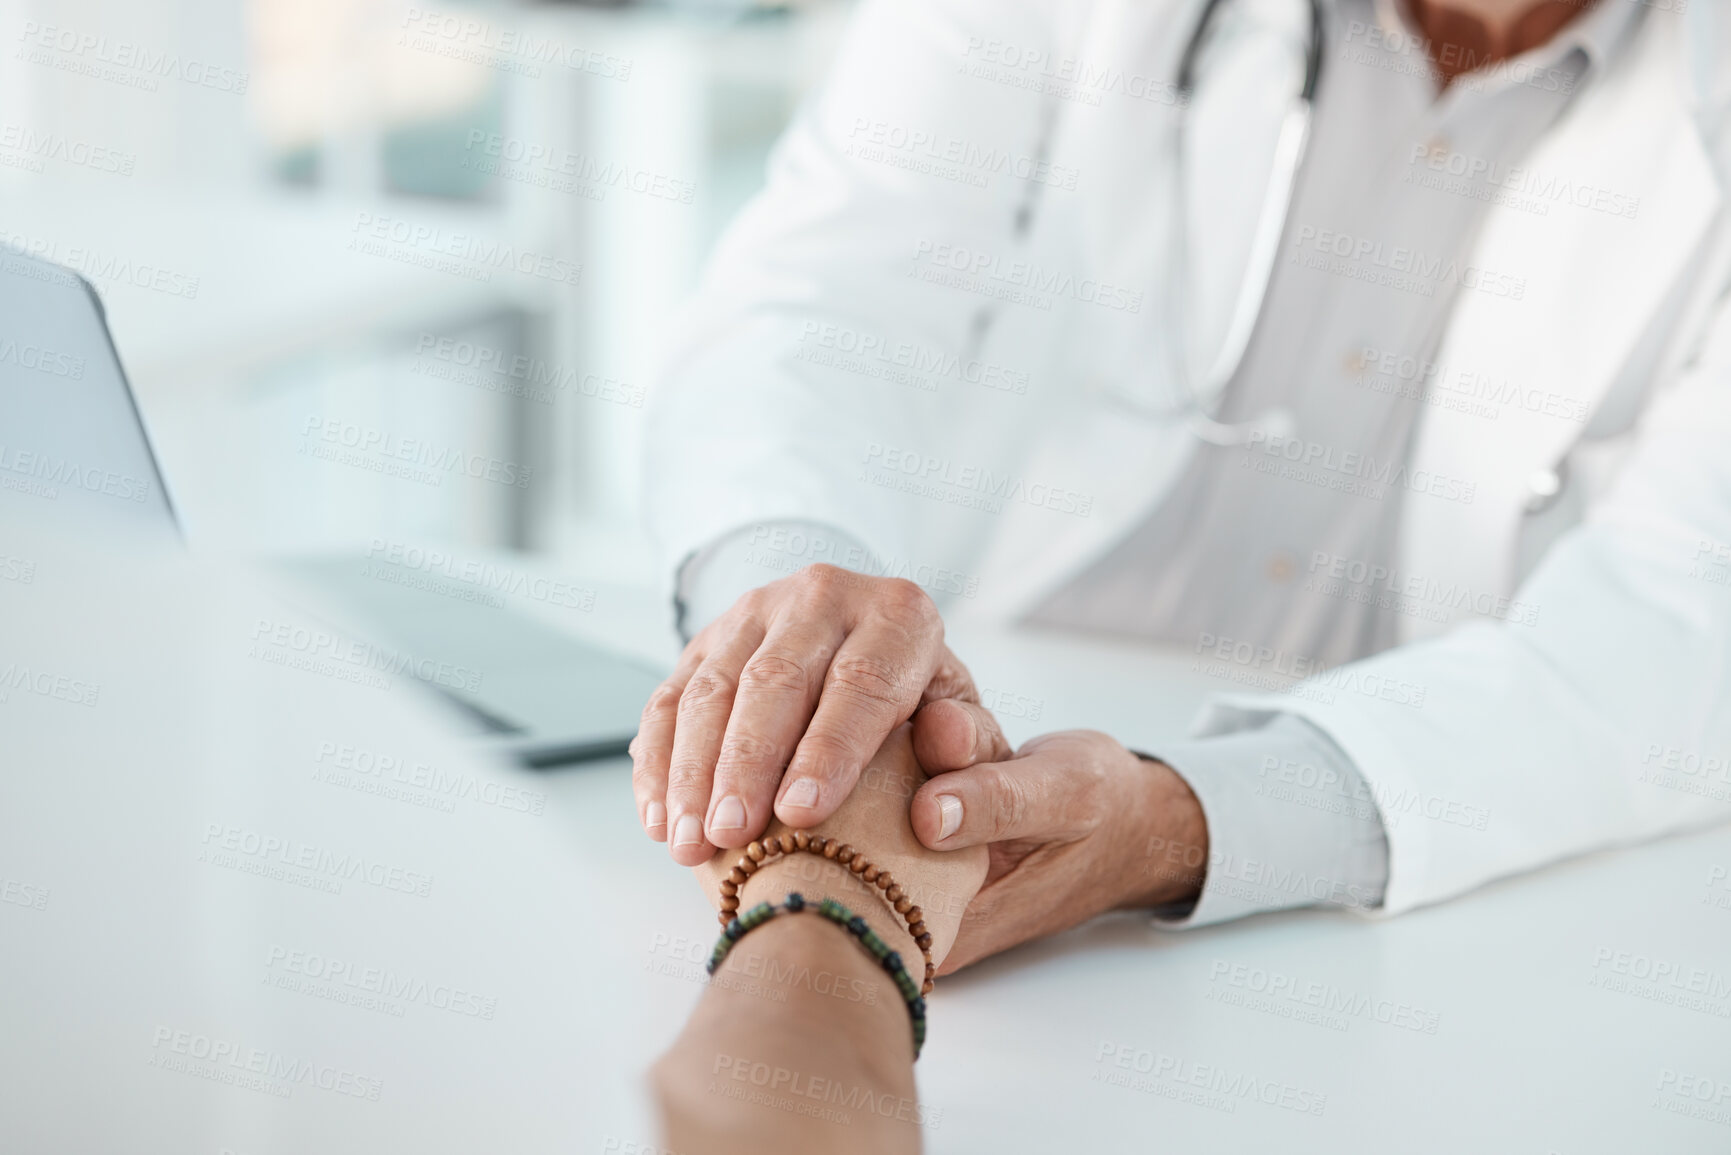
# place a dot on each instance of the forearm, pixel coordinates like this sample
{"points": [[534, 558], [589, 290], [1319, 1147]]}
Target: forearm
{"points": [[826, 1058], [800, 1034]]}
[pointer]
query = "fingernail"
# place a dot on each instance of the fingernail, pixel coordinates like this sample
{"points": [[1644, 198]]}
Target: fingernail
{"points": [[688, 831], [949, 815], [654, 815], [729, 814], [803, 794]]}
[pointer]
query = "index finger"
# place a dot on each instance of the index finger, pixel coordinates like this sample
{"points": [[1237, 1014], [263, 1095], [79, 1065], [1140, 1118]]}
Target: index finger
{"points": [[873, 685]]}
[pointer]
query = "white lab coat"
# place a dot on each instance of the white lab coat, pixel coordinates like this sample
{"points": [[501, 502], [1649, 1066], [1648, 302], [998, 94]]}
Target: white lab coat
{"points": [[1546, 730]]}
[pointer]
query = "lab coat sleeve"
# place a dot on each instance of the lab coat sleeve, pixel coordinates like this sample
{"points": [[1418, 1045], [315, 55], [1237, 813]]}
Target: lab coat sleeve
{"points": [[714, 577], [1290, 823], [1606, 721], [810, 351]]}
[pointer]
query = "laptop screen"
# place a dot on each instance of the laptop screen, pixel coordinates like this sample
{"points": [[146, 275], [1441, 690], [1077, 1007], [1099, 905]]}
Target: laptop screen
{"points": [[74, 456]]}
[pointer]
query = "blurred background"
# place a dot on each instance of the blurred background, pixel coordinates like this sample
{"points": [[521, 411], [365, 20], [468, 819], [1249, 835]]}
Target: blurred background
{"points": [[331, 233]]}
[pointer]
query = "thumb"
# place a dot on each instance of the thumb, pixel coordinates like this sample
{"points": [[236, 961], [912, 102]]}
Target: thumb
{"points": [[1023, 797]]}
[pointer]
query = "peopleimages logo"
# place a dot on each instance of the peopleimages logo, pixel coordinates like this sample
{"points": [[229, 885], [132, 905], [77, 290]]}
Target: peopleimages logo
{"points": [[1396, 266], [43, 475], [279, 642], [1019, 282], [971, 485], [122, 61], [463, 37], [463, 254], [109, 268], [1226, 1088], [1384, 587], [901, 361], [1063, 76], [411, 454], [29, 355], [566, 171], [922, 150], [480, 575], [1518, 181], [226, 845], [257, 1068], [19, 677], [37, 147], [1353, 472], [494, 369], [311, 972]]}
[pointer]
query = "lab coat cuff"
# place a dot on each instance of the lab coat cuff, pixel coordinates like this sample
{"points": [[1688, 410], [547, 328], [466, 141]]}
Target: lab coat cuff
{"points": [[1291, 823]]}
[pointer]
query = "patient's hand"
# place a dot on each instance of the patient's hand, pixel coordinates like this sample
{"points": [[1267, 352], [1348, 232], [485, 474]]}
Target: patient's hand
{"points": [[874, 820]]}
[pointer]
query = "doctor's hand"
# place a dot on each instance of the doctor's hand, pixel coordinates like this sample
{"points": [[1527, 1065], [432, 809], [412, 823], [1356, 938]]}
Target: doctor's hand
{"points": [[1074, 824], [779, 703]]}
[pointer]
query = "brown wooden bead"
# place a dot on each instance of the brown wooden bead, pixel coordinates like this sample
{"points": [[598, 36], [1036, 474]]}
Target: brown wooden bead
{"points": [[730, 903], [893, 894], [728, 886], [748, 866], [930, 971], [787, 844], [885, 881], [859, 864], [870, 874], [914, 913], [845, 854], [736, 876], [903, 904], [831, 848], [927, 989], [916, 929], [801, 840], [924, 941], [756, 851]]}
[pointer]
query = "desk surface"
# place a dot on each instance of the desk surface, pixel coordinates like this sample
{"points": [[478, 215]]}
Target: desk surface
{"points": [[257, 897]]}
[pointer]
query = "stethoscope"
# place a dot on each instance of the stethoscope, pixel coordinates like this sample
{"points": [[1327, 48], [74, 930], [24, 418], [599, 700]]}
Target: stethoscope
{"points": [[1294, 136]]}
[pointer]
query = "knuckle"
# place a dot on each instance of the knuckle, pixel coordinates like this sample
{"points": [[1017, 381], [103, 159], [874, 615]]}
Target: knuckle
{"points": [[662, 704], [706, 688], [868, 677], [740, 751], [774, 672], [822, 579], [826, 755], [753, 603], [1009, 801], [906, 601]]}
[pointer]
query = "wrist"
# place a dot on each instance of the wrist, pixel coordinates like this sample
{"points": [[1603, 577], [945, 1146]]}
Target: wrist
{"points": [[1171, 851], [819, 878]]}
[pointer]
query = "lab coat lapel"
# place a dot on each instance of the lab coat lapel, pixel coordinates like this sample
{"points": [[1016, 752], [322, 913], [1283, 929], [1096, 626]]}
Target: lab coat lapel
{"points": [[1592, 284], [1121, 463]]}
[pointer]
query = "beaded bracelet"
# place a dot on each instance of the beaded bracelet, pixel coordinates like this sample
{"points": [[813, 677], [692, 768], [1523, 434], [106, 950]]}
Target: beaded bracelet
{"points": [[768, 849], [891, 961]]}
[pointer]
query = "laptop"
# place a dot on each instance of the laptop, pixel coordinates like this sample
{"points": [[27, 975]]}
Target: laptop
{"points": [[75, 454]]}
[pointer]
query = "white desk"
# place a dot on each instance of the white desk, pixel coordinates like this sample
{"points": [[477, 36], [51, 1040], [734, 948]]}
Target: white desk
{"points": [[114, 816]]}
